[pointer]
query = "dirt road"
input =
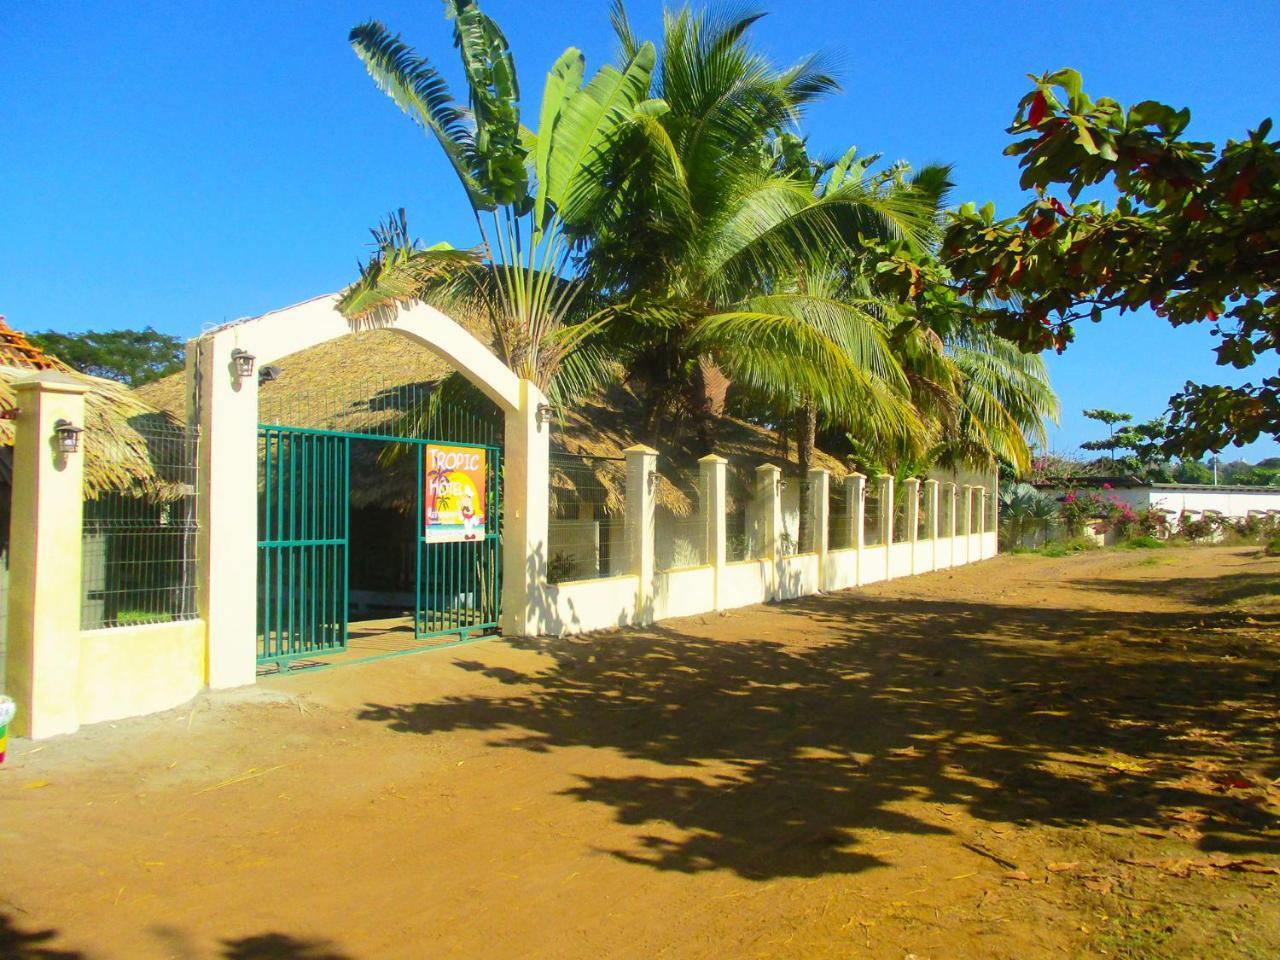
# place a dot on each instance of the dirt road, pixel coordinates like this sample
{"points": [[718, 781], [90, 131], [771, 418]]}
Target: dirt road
{"points": [[1025, 758]]}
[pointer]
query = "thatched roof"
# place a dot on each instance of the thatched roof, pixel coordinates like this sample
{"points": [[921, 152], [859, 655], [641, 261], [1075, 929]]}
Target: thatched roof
{"points": [[603, 429], [121, 428], [365, 381]]}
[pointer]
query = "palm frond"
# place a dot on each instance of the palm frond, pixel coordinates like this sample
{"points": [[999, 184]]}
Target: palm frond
{"points": [[421, 92]]}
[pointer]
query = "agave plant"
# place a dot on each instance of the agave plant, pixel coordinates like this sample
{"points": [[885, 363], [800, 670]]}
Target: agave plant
{"points": [[534, 195], [1024, 513]]}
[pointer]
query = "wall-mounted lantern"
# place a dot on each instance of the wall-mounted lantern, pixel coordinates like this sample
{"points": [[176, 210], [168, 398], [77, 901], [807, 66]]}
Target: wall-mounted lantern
{"points": [[545, 412], [268, 373], [243, 361], [67, 435]]}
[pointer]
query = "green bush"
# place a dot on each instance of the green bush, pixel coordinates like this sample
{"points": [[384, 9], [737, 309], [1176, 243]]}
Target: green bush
{"points": [[1272, 549], [1064, 547], [1143, 542]]}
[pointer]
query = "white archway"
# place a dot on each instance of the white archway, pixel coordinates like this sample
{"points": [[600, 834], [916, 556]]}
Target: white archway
{"points": [[225, 407]]}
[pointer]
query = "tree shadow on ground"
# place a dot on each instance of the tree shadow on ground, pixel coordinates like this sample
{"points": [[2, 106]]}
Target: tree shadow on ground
{"points": [[19, 944], [1239, 588], [280, 946], [852, 712]]}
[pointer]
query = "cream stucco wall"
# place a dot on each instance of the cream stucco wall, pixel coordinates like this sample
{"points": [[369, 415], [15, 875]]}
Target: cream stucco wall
{"points": [[131, 671]]}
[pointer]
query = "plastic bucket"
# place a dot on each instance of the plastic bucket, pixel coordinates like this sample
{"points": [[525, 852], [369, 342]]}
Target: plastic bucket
{"points": [[7, 709]]}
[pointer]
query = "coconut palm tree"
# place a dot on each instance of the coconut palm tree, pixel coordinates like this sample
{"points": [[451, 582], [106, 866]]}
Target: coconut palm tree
{"points": [[702, 250], [534, 195]]}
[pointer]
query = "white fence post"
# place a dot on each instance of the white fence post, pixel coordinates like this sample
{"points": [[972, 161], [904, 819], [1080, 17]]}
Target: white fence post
{"points": [[42, 665], [887, 509], [911, 493], [820, 512], [712, 487], [953, 502], [640, 517], [931, 520], [855, 488], [966, 518], [769, 501]]}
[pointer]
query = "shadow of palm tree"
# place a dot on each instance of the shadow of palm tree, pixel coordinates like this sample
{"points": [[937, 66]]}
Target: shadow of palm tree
{"points": [[783, 746], [19, 944], [280, 946]]}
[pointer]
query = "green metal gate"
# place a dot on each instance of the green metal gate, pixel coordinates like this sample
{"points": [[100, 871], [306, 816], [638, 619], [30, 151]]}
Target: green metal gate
{"points": [[303, 548]]}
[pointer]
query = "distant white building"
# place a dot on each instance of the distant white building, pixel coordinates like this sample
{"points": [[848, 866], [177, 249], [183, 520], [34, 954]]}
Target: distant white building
{"points": [[1191, 499]]}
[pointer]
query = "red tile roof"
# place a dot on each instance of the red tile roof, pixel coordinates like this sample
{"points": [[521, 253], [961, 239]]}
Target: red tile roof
{"points": [[17, 351]]}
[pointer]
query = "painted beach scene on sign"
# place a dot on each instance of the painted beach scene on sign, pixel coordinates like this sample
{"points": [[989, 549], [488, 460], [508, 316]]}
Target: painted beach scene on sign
{"points": [[454, 504]]}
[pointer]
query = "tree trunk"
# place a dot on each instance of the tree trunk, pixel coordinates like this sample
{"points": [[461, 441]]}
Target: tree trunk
{"points": [[806, 441], [708, 393]]}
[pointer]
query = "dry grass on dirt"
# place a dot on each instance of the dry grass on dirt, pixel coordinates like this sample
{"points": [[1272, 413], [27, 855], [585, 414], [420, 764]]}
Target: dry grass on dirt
{"points": [[1026, 758]]}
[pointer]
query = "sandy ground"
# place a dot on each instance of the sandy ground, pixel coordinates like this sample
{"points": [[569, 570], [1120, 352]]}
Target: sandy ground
{"points": [[1029, 757]]}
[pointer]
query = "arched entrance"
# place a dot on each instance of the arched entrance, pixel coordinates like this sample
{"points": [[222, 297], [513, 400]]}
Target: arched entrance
{"points": [[224, 403]]}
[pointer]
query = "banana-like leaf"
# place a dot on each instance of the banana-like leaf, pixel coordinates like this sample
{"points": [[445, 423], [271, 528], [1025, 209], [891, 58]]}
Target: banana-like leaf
{"points": [[563, 81], [585, 128]]}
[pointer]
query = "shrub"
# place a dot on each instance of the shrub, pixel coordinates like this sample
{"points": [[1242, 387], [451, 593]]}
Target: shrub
{"points": [[1272, 549], [1064, 547], [1142, 542]]}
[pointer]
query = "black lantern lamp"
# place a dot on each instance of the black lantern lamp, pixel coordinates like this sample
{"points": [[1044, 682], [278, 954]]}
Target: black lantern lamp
{"points": [[243, 361], [68, 436], [545, 412]]}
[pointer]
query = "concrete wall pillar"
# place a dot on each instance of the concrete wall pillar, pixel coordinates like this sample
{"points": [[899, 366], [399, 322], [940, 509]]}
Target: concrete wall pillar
{"points": [[640, 519], [712, 487], [931, 520], [966, 520], [820, 512], [951, 496], [855, 488], [45, 541], [225, 407], [887, 507], [526, 497], [911, 493], [769, 500]]}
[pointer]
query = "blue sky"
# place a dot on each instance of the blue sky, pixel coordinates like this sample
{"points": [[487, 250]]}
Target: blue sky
{"points": [[181, 164]]}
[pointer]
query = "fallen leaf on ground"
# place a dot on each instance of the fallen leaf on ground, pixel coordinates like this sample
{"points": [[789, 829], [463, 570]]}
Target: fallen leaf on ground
{"points": [[1063, 867], [1205, 868], [1018, 875]]}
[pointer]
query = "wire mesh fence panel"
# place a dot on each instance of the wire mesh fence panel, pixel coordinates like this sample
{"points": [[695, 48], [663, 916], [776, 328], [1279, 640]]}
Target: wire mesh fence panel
{"points": [[871, 517], [839, 518], [900, 532], [744, 528], [975, 512], [945, 507], [800, 528], [139, 540], [922, 515], [587, 535], [681, 539]]}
